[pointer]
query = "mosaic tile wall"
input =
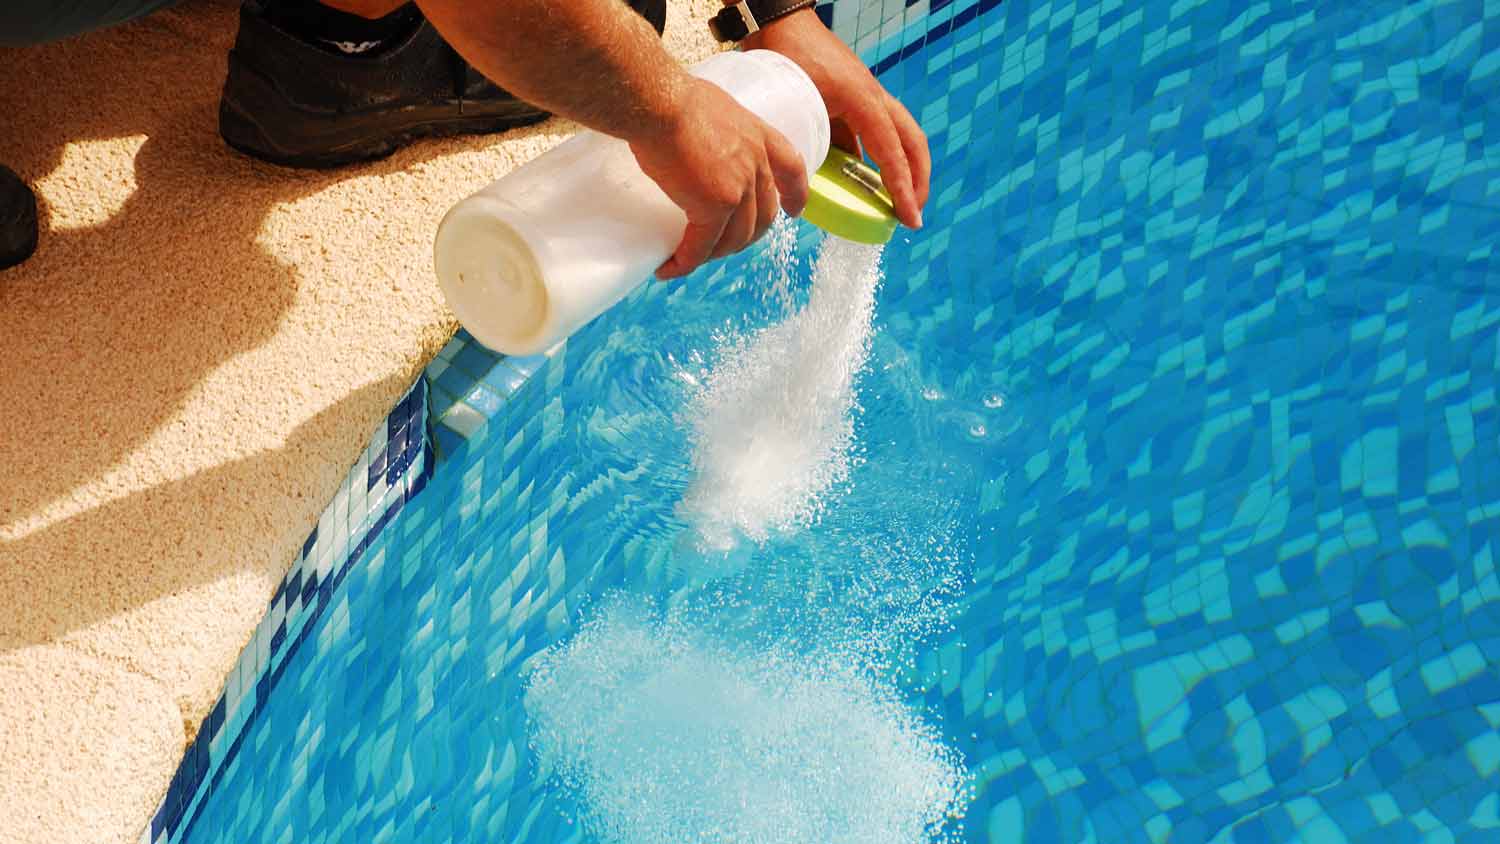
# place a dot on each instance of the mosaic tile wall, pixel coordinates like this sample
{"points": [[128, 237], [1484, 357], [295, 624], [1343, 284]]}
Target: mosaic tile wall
{"points": [[1234, 266], [392, 470], [443, 606]]}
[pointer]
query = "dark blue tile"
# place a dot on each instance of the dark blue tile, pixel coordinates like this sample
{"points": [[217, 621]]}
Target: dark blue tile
{"points": [[309, 587], [215, 720], [376, 471], [293, 585]]}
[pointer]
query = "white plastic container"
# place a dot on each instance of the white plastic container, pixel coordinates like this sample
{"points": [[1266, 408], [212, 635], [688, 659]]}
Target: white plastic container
{"points": [[534, 256]]}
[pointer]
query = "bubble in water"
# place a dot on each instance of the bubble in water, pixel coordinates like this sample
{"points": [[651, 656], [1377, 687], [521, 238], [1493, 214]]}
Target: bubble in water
{"points": [[994, 401], [773, 425], [977, 431], [931, 393], [664, 735], [872, 583]]}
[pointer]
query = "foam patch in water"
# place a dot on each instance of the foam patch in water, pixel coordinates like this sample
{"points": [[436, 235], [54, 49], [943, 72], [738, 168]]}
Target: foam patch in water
{"points": [[664, 735], [772, 426]]}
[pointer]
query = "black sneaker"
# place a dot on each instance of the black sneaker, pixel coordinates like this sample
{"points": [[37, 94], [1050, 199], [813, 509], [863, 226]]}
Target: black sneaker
{"points": [[17, 219], [293, 103]]}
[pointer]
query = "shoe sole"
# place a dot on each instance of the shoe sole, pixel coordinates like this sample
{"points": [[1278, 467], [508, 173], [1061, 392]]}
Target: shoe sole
{"points": [[257, 120]]}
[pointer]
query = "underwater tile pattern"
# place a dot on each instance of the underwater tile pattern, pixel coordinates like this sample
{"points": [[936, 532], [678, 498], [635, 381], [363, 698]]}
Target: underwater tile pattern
{"points": [[393, 469], [382, 727], [1233, 267]]}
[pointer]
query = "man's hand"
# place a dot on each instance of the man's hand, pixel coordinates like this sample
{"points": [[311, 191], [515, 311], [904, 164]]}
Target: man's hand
{"points": [[599, 63], [863, 113], [726, 168]]}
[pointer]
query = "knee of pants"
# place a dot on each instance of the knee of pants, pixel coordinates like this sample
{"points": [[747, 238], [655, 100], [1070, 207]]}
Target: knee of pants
{"points": [[24, 23], [18, 31]]}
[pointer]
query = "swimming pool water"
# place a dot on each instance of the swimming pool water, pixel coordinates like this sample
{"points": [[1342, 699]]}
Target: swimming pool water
{"points": [[1176, 495]]}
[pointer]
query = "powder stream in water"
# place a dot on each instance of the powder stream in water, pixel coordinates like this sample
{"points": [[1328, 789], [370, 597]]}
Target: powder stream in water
{"points": [[773, 425], [674, 729]]}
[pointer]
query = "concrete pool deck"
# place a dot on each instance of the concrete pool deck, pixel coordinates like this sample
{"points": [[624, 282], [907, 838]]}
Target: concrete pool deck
{"points": [[188, 367]]}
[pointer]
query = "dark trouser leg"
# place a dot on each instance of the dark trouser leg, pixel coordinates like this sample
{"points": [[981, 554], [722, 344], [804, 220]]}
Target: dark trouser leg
{"points": [[309, 87], [24, 23], [27, 22], [17, 219]]}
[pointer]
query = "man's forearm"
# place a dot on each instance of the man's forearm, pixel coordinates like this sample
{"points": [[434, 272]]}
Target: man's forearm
{"points": [[593, 61]]}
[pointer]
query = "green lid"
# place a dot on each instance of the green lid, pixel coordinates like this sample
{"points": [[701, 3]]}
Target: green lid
{"points": [[846, 198]]}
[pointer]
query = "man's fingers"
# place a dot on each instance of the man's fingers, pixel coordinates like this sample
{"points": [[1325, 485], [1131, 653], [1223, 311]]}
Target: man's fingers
{"points": [[739, 230], [767, 203], [843, 137], [914, 142], [878, 134], [789, 172], [697, 242]]}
